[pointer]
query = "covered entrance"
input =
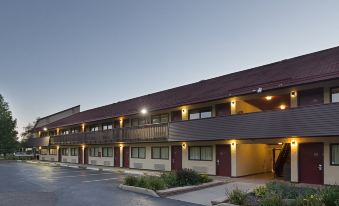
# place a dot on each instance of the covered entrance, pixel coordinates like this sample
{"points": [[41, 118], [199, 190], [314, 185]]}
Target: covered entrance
{"points": [[311, 163]]}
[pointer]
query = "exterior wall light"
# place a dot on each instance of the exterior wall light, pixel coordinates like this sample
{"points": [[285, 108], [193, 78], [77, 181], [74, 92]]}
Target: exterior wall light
{"points": [[268, 98], [58, 147], [293, 93], [184, 145], [280, 143], [233, 144], [233, 103], [39, 147], [45, 129], [83, 147], [143, 111], [293, 142], [183, 111], [282, 107], [83, 127]]}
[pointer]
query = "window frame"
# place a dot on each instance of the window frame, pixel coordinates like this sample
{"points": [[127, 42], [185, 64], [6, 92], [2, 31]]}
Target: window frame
{"points": [[105, 154], [189, 153], [199, 111], [138, 156], [66, 153], [331, 89], [108, 127], [96, 154], [74, 151], [52, 153], [160, 158], [331, 162]]}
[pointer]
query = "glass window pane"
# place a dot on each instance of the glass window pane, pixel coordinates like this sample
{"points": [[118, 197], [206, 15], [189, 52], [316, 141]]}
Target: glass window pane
{"points": [[335, 154], [142, 152], [335, 95], [194, 153], [134, 152], [142, 122], [206, 153], [156, 152], [206, 114], [156, 119], [110, 152], [135, 122], [164, 118], [164, 152], [194, 115]]}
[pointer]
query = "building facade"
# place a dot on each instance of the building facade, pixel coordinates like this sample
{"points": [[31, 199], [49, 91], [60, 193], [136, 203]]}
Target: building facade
{"points": [[280, 118]]}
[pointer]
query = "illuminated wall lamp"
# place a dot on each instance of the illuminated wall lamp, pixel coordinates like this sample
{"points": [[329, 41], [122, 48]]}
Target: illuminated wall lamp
{"points": [[143, 111], [184, 145], [282, 107], [293, 93], [268, 98], [293, 143]]}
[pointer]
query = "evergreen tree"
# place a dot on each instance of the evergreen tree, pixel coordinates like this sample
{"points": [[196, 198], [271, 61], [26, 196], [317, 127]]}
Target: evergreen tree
{"points": [[8, 133]]}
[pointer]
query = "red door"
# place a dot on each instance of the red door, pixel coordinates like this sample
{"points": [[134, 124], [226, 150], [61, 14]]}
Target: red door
{"points": [[59, 155], [125, 157], [311, 163], [80, 156], [223, 160], [176, 157], [86, 156], [116, 156]]}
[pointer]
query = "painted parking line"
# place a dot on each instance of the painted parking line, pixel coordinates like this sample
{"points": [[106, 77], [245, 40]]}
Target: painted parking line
{"points": [[88, 181], [84, 175]]}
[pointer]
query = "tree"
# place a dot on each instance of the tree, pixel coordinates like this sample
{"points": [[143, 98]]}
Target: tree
{"points": [[8, 133]]}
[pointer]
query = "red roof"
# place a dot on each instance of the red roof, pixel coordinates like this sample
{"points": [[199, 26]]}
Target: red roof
{"points": [[318, 66]]}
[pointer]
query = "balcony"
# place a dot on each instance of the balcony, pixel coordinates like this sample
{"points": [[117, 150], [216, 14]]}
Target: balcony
{"points": [[310, 121], [147, 133]]}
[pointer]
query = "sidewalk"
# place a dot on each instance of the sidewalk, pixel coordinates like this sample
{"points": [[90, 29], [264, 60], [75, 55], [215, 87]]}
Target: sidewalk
{"points": [[96, 168]]}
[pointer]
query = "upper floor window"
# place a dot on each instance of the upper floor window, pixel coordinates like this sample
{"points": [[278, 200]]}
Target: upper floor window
{"points": [[223, 109], [126, 123], [94, 129], [74, 130], [135, 122], [335, 94], [311, 97], [142, 121], [162, 118], [63, 132], [107, 127], [200, 113]]}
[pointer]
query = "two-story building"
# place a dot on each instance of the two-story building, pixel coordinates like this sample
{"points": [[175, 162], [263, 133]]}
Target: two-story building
{"points": [[280, 118]]}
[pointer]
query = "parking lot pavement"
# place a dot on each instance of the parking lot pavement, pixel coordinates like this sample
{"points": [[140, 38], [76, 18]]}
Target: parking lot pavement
{"points": [[35, 184]]}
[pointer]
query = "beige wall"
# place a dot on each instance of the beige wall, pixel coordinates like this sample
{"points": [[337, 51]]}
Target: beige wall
{"points": [[242, 106], [106, 161], [52, 158]]}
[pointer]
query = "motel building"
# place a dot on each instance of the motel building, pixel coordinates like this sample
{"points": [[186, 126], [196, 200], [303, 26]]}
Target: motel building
{"points": [[281, 119]]}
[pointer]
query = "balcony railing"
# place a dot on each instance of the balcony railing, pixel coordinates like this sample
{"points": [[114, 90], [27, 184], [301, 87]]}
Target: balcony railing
{"points": [[156, 132]]}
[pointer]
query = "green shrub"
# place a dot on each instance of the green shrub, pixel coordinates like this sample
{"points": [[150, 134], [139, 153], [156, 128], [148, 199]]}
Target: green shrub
{"points": [[260, 191], [142, 182], [155, 183], [237, 197], [131, 180], [272, 199], [310, 200], [204, 178], [170, 179], [187, 177], [330, 195], [289, 191]]}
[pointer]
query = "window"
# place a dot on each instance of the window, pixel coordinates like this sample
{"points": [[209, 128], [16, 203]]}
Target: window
{"points": [[135, 122], [74, 130], [200, 113], [138, 152], [94, 129], [107, 152], [63, 132], [94, 152], [335, 95], [160, 153], [64, 151], [53, 151], [44, 151], [142, 121], [107, 127], [157, 119], [126, 123], [74, 151], [334, 154], [202, 153]]}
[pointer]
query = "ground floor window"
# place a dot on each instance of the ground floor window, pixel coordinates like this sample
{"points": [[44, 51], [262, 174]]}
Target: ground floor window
{"points": [[160, 153], [107, 152], [64, 151], [138, 152], [335, 154], [203, 153], [94, 152], [53, 151], [74, 151], [44, 151], [335, 94]]}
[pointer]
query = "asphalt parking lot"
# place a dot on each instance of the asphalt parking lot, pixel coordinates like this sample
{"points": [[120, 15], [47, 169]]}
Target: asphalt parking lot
{"points": [[35, 184]]}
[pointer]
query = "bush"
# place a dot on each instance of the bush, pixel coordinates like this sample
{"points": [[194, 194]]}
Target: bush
{"points": [[310, 200], [131, 180], [272, 199], [170, 179], [330, 195], [142, 182], [260, 191], [204, 178], [289, 191], [155, 183], [187, 177], [237, 197]]}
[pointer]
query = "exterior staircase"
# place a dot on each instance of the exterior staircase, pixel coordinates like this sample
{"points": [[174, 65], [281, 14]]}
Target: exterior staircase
{"points": [[283, 162]]}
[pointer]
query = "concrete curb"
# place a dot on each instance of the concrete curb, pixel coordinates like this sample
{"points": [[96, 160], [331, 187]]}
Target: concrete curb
{"points": [[177, 190], [139, 190]]}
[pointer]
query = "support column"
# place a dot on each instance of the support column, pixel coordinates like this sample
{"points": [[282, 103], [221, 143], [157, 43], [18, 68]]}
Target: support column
{"points": [[233, 107], [121, 155], [294, 161], [294, 99], [327, 95], [233, 159]]}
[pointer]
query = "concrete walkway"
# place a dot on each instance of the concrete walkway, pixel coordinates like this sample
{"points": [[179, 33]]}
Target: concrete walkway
{"points": [[218, 193]]}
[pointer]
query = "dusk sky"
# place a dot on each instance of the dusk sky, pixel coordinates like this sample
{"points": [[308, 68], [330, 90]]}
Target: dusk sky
{"points": [[62, 53]]}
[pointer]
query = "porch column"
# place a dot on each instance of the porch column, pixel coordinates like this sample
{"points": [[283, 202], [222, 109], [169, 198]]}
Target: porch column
{"points": [[233, 159], [327, 95], [294, 99], [294, 161], [121, 155], [233, 107]]}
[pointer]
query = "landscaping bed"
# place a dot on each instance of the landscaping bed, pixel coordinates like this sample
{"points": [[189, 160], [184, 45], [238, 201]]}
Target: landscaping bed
{"points": [[285, 194], [165, 184]]}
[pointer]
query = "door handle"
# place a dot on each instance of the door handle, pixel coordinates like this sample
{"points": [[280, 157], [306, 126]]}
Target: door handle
{"points": [[320, 167]]}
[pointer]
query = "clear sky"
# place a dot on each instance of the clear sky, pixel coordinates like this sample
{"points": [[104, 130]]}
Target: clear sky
{"points": [[58, 54]]}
